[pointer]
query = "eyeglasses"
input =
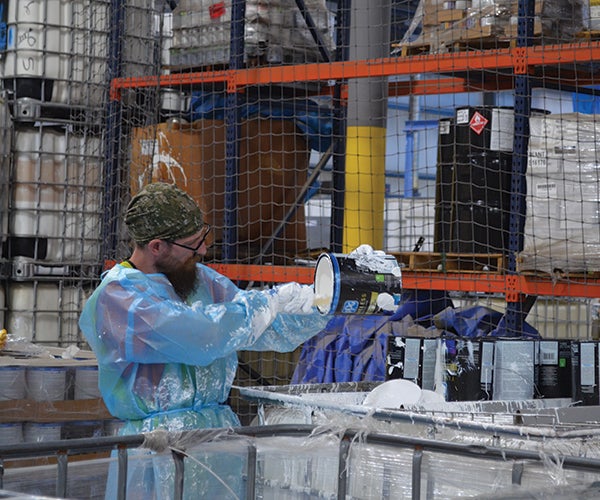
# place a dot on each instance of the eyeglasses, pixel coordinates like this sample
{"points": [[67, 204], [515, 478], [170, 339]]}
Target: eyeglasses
{"points": [[192, 249]]}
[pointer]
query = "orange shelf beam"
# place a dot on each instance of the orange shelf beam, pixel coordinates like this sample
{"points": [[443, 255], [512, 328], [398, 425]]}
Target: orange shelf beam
{"points": [[521, 59], [510, 285], [267, 274]]}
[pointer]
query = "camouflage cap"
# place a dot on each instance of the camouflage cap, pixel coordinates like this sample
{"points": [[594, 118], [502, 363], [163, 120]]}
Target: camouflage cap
{"points": [[164, 212]]}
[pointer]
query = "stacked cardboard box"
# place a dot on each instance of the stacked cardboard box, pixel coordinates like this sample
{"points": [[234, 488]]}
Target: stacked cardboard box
{"points": [[447, 22]]}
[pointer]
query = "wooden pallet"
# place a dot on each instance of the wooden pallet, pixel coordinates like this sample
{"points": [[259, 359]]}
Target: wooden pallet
{"points": [[451, 262], [589, 35], [483, 43], [560, 275]]}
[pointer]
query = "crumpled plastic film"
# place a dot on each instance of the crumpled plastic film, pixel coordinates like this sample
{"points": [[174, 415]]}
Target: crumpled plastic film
{"points": [[161, 440], [12, 343], [375, 260]]}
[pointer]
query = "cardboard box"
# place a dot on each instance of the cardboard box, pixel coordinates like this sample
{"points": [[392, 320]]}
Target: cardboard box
{"points": [[272, 168], [436, 15]]}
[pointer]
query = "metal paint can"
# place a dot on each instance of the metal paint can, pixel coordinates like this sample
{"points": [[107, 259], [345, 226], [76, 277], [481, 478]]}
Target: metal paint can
{"points": [[345, 285]]}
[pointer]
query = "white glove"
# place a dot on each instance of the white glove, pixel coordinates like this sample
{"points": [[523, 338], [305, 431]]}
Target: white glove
{"points": [[293, 298]]}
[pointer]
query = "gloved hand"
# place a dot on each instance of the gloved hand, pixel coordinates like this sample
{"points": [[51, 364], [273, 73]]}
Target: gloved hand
{"points": [[293, 298]]}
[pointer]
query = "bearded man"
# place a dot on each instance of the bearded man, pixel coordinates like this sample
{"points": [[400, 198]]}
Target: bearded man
{"points": [[166, 329]]}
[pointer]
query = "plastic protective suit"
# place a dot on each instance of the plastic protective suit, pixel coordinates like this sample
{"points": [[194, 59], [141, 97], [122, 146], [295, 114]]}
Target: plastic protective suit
{"points": [[169, 365]]}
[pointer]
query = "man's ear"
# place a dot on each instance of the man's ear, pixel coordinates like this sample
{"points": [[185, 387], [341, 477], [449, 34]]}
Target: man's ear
{"points": [[156, 246]]}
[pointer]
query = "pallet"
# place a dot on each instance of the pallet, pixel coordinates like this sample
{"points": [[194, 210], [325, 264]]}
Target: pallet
{"points": [[588, 35], [483, 43], [451, 262], [560, 275], [465, 40]]}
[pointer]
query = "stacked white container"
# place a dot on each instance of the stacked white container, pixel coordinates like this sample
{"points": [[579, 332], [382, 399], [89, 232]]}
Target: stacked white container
{"points": [[86, 383], [57, 194], [12, 383], [274, 31], [37, 432], [5, 148], [56, 72], [11, 433], [44, 312], [46, 383], [57, 50]]}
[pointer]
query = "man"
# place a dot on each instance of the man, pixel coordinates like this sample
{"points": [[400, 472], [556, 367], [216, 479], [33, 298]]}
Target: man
{"points": [[166, 329]]}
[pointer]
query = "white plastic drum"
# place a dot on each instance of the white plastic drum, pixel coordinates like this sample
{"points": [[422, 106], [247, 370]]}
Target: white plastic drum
{"points": [[86, 383], [345, 285], [46, 383], [12, 383], [34, 432], [11, 433]]}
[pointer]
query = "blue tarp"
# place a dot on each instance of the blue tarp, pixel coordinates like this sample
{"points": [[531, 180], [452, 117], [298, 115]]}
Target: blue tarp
{"points": [[314, 120], [586, 103], [354, 348]]}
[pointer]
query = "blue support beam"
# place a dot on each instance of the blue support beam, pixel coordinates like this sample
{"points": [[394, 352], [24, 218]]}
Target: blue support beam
{"points": [[516, 311], [232, 133], [112, 199]]}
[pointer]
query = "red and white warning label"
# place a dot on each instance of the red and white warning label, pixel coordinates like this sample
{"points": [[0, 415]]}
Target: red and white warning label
{"points": [[478, 122]]}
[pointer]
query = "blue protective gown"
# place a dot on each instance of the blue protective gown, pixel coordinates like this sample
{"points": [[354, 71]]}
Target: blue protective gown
{"points": [[169, 365], [166, 364]]}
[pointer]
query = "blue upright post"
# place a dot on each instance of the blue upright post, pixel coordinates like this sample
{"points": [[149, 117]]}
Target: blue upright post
{"points": [[232, 123], [112, 198], [515, 313]]}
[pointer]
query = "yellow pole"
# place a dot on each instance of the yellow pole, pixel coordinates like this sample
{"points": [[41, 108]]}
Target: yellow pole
{"points": [[365, 187]]}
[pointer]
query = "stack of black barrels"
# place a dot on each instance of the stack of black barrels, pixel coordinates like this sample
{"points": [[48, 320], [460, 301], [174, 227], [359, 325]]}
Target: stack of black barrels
{"points": [[473, 184]]}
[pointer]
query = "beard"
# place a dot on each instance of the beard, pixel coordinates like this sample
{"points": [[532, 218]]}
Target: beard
{"points": [[183, 277]]}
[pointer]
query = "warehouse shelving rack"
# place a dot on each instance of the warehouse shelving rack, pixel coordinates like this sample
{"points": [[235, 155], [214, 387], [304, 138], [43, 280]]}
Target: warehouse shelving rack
{"points": [[519, 67]]}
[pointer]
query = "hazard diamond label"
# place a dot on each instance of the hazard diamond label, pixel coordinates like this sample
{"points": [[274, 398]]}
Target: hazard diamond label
{"points": [[478, 122]]}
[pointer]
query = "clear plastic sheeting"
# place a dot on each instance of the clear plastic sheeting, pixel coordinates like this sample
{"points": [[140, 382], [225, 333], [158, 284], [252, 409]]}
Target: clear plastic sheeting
{"points": [[18, 496], [297, 462], [544, 425]]}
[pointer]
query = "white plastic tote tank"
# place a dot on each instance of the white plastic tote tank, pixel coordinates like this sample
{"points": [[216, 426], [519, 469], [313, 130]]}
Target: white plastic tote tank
{"points": [[57, 50], [56, 195], [5, 146], [44, 312]]}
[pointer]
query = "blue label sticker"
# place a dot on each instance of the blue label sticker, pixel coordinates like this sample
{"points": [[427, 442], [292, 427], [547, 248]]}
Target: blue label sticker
{"points": [[10, 38], [2, 27], [350, 306]]}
